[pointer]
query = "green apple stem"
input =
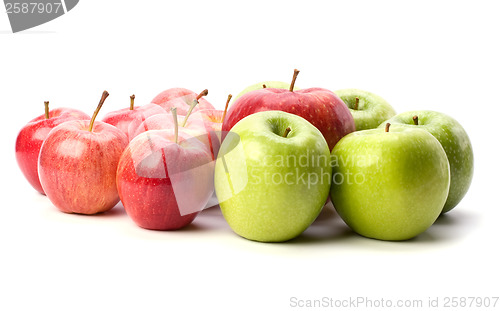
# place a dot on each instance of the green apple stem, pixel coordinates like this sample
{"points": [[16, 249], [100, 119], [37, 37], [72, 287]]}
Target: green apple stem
{"points": [[105, 95], [46, 103], [225, 108], [193, 104], [356, 103], [387, 125], [287, 130], [415, 120], [176, 124], [132, 98], [295, 74]]}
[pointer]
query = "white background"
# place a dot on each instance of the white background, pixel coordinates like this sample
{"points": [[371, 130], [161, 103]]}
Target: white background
{"points": [[439, 55]]}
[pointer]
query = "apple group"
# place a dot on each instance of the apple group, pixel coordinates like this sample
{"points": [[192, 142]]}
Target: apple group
{"points": [[273, 158]]}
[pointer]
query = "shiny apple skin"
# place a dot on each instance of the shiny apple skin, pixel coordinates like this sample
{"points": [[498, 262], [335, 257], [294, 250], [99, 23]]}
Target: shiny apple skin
{"points": [[180, 98], [31, 136], [77, 167], [122, 118], [321, 107], [164, 185]]}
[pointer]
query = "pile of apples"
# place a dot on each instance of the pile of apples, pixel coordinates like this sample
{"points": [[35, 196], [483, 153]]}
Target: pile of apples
{"points": [[273, 158]]}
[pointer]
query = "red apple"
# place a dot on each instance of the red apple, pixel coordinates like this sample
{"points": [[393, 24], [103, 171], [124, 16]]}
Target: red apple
{"points": [[165, 178], [181, 99], [77, 165], [30, 139], [213, 120], [123, 117], [192, 124], [321, 107]]}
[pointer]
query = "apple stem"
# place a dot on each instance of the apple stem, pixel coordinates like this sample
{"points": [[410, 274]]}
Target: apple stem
{"points": [[46, 103], [287, 130], [415, 120], [264, 86], [203, 93], [225, 108], [193, 104], [132, 98], [356, 103], [176, 124], [387, 125], [105, 94], [295, 74]]}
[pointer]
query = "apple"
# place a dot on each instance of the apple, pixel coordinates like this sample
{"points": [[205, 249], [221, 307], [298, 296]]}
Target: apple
{"points": [[165, 178], [272, 176], [77, 164], [192, 124], [389, 184], [181, 99], [266, 84], [368, 110], [213, 120], [456, 144], [31, 136], [123, 117], [321, 107]]}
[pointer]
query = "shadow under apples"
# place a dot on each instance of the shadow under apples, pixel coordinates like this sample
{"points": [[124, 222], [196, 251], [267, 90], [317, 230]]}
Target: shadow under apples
{"points": [[330, 228]]}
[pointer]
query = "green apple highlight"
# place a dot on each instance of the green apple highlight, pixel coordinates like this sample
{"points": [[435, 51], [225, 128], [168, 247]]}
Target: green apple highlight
{"points": [[389, 184], [456, 144], [272, 176], [368, 110]]}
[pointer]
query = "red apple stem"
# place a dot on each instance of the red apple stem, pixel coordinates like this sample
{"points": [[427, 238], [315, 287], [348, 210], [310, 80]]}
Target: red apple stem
{"points": [[264, 86], [287, 130], [193, 104], [415, 120], [387, 125], [176, 124], [105, 95], [132, 98], [295, 74], [46, 103], [203, 93], [225, 108], [356, 103]]}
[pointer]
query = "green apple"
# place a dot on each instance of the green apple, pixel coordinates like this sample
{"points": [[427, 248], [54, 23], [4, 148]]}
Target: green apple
{"points": [[272, 176], [267, 84], [389, 184], [456, 144], [368, 110]]}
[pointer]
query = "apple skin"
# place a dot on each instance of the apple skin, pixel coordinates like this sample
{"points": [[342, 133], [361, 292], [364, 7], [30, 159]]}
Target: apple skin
{"points": [[270, 84], [389, 185], [195, 126], [181, 99], [31, 136], [164, 185], [321, 107], [456, 144], [260, 198], [77, 167], [212, 119], [123, 117], [372, 109]]}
